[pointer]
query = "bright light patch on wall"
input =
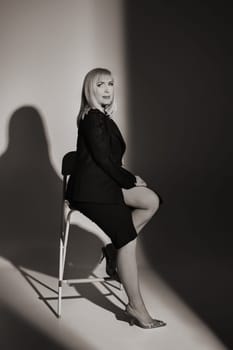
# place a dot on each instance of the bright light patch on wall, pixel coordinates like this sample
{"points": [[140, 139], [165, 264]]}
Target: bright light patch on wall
{"points": [[46, 50]]}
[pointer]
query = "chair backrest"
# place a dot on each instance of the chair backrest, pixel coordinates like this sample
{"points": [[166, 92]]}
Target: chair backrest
{"points": [[68, 163]]}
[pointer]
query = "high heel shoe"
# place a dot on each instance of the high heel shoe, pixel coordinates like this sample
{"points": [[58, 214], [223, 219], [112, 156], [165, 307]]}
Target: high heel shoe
{"points": [[133, 320], [110, 253]]}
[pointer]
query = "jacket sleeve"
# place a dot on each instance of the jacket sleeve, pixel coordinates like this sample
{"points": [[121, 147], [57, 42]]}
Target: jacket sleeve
{"points": [[98, 142]]}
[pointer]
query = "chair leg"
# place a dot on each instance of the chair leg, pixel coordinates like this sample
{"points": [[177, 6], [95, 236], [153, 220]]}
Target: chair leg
{"points": [[66, 240], [62, 257], [60, 278]]}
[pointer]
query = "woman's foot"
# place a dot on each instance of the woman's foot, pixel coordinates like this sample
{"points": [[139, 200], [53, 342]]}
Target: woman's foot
{"points": [[110, 253], [141, 317]]}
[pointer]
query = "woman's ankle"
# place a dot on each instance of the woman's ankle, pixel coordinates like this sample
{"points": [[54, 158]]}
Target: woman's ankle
{"points": [[139, 312], [137, 305]]}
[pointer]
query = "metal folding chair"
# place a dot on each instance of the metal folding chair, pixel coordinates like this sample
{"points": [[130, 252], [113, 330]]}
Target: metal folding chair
{"points": [[67, 166]]}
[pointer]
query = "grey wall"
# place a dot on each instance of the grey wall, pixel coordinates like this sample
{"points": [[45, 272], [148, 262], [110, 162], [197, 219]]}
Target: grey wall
{"points": [[180, 72]]}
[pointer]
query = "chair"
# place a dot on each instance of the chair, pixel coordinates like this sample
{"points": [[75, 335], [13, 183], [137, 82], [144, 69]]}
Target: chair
{"points": [[67, 166]]}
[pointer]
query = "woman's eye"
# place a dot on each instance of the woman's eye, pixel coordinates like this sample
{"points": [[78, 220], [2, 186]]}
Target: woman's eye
{"points": [[111, 83], [99, 84]]}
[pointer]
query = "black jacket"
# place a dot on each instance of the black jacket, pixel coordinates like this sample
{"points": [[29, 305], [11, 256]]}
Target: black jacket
{"points": [[98, 175]]}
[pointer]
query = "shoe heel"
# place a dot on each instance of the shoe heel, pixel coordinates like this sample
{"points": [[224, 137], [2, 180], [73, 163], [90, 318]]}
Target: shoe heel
{"points": [[101, 258], [130, 318], [131, 322]]}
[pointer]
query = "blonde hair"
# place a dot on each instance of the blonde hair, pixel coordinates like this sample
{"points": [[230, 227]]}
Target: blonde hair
{"points": [[88, 98]]}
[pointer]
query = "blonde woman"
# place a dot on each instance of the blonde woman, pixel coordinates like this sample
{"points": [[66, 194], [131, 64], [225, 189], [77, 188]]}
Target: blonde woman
{"points": [[119, 202]]}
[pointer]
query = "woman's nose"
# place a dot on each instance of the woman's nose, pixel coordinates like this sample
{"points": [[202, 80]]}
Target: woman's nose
{"points": [[106, 89]]}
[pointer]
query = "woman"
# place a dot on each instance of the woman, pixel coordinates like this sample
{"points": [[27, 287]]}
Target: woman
{"points": [[116, 200]]}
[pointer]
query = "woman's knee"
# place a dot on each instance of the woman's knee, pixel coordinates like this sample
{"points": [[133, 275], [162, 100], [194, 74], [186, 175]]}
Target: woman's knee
{"points": [[153, 201], [141, 197]]}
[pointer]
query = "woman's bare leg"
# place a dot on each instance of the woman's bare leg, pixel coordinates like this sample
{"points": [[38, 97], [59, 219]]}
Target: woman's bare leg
{"points": [[128, 272], [145, 203]]}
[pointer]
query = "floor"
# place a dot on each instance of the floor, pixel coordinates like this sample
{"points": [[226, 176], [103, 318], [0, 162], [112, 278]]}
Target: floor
{"points": [[92, 315]]}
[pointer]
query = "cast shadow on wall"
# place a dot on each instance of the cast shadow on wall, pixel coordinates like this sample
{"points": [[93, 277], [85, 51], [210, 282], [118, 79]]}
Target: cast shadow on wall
{"points": [[31, 203]]}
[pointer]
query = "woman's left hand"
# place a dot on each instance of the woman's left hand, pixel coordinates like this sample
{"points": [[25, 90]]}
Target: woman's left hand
{"points": [[140, 181]]}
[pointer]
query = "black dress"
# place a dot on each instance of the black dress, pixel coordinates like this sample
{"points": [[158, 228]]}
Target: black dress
{"points": [[96, 182]]}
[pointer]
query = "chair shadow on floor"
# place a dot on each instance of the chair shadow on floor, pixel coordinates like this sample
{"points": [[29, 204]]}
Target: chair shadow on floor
{"points": [[78, 267], [31, 194]]}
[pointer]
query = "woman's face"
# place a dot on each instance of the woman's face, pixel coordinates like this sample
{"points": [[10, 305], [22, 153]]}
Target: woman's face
{"points": [[104, 90]]}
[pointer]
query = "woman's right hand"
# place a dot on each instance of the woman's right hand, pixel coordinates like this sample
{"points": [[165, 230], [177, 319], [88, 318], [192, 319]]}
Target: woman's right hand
{"points": [[140, 181]]}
